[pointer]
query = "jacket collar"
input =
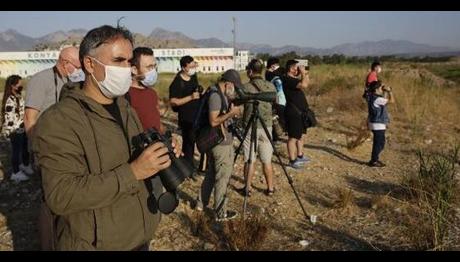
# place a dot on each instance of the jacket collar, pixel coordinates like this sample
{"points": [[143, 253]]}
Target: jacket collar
{"points": [[76, 92]]}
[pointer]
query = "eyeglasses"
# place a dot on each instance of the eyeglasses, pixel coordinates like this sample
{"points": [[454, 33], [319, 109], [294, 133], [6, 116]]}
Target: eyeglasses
{"points": [[68, 61]]}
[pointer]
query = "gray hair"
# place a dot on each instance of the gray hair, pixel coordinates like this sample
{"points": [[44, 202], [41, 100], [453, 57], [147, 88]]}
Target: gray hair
{"points": [[101, 35]]}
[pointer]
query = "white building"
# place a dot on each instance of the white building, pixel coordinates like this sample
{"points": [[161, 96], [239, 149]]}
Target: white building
{"points": [[210, 60], [26, 63], [241, 60]]}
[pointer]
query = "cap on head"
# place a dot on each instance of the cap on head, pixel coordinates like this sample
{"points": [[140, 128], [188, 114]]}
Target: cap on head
{"points": [[374, 85], [233, 76]]}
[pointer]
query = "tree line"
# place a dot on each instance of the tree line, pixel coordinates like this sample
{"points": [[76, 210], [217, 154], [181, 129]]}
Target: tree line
{"points": [[342, 59]]}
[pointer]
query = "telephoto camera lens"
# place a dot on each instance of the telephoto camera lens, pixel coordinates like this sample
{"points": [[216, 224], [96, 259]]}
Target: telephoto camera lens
{"points": [[171, 177]]}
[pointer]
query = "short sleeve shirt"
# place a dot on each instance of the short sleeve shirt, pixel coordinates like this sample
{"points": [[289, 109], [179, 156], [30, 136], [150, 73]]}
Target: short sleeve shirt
{"points": [[180, 88], [215, 104], [371, 77], [43, 91], [294, 95]]}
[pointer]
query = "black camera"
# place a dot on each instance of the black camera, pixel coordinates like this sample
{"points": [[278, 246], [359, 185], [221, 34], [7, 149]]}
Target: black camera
{"points": [[171, 177], [199, 89], [236, 130]]}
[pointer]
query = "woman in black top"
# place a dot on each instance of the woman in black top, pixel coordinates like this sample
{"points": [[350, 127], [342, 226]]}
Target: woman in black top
{"points": [[295, 79]]}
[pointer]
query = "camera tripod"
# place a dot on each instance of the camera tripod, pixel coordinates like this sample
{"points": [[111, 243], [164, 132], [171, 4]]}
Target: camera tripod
{"points": [[252, 124]]}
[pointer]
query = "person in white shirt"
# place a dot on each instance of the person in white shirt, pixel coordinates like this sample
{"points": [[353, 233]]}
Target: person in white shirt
{"points": [[379, 97]]}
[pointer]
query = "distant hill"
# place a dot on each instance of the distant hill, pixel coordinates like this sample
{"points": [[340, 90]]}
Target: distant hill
{"points": [[12, 40]]}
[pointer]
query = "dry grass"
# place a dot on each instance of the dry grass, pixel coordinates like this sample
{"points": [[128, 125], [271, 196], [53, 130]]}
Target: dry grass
{"points": [[362, 134], [246, 234], [426, 107], [380, 202], [241, 235], [344, 198], [433, 221]]}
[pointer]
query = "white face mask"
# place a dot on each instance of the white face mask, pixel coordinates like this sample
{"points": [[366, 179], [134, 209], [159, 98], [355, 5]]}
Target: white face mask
{"points": [[191, 72], [274, 68], [379, 69], [117, 80], [77, 76], [150, 78]]}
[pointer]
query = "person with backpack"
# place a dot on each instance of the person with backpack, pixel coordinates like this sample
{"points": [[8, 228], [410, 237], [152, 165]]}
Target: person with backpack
{"points": [[12, 124], [378, 119], [273, 74], [219, 113], [264, 148], [184, 99]]}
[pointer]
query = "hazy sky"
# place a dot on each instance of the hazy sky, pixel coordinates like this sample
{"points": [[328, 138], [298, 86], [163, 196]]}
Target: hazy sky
{"points": [[312, 29]]}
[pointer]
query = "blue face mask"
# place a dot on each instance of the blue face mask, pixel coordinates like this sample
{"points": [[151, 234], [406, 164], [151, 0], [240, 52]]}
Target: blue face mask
{"points": [[150, 78], [77, 76]]}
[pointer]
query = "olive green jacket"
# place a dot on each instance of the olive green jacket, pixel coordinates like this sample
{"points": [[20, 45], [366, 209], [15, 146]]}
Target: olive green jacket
{"points": [[88, 184], [265, 108]]}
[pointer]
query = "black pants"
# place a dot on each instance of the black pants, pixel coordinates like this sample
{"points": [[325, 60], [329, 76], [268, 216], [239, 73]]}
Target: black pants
{"points": [[378, 144], [19, 150], [188, 142]]}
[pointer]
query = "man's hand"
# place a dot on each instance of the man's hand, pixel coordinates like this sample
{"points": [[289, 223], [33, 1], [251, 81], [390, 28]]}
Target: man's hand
{"points": [[152, 160], [302, 70], [234, 110], [195, 95], [177, 145], [387, 88]]}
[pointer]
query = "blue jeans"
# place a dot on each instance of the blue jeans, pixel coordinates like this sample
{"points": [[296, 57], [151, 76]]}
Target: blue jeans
{"points": [[19, 150], [378, 144]]}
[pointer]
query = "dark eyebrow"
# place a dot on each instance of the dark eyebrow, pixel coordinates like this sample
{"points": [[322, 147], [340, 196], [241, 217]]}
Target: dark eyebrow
{"points": [[119, 59]]}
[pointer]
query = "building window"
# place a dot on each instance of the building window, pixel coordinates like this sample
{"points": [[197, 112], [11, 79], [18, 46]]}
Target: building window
{"points": [[223, 69], [25, 72], [209, 68], [204, 68], [217, 68]]}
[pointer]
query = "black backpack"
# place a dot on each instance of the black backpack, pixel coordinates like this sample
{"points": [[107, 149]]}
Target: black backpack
{"points": [[201, 118]]}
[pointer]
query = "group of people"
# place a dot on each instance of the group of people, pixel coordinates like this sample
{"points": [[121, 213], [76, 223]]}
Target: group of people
{"points": [[79, 119]]}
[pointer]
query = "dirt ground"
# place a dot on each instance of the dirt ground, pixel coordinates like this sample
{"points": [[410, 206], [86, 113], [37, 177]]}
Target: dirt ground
{"points": [[364, 223]]}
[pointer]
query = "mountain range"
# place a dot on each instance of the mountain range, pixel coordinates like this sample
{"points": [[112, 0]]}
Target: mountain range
{"points": [[12, 40]]}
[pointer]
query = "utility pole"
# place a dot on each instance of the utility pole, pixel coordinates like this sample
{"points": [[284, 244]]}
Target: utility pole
{"points": [[234, 42]]}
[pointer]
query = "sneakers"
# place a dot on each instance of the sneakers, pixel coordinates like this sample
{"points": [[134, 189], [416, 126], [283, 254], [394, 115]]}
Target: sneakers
{"points": [[296, 164], [26, 169], [303, 159], [19, 176], [376, 164], [228, 216]]}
